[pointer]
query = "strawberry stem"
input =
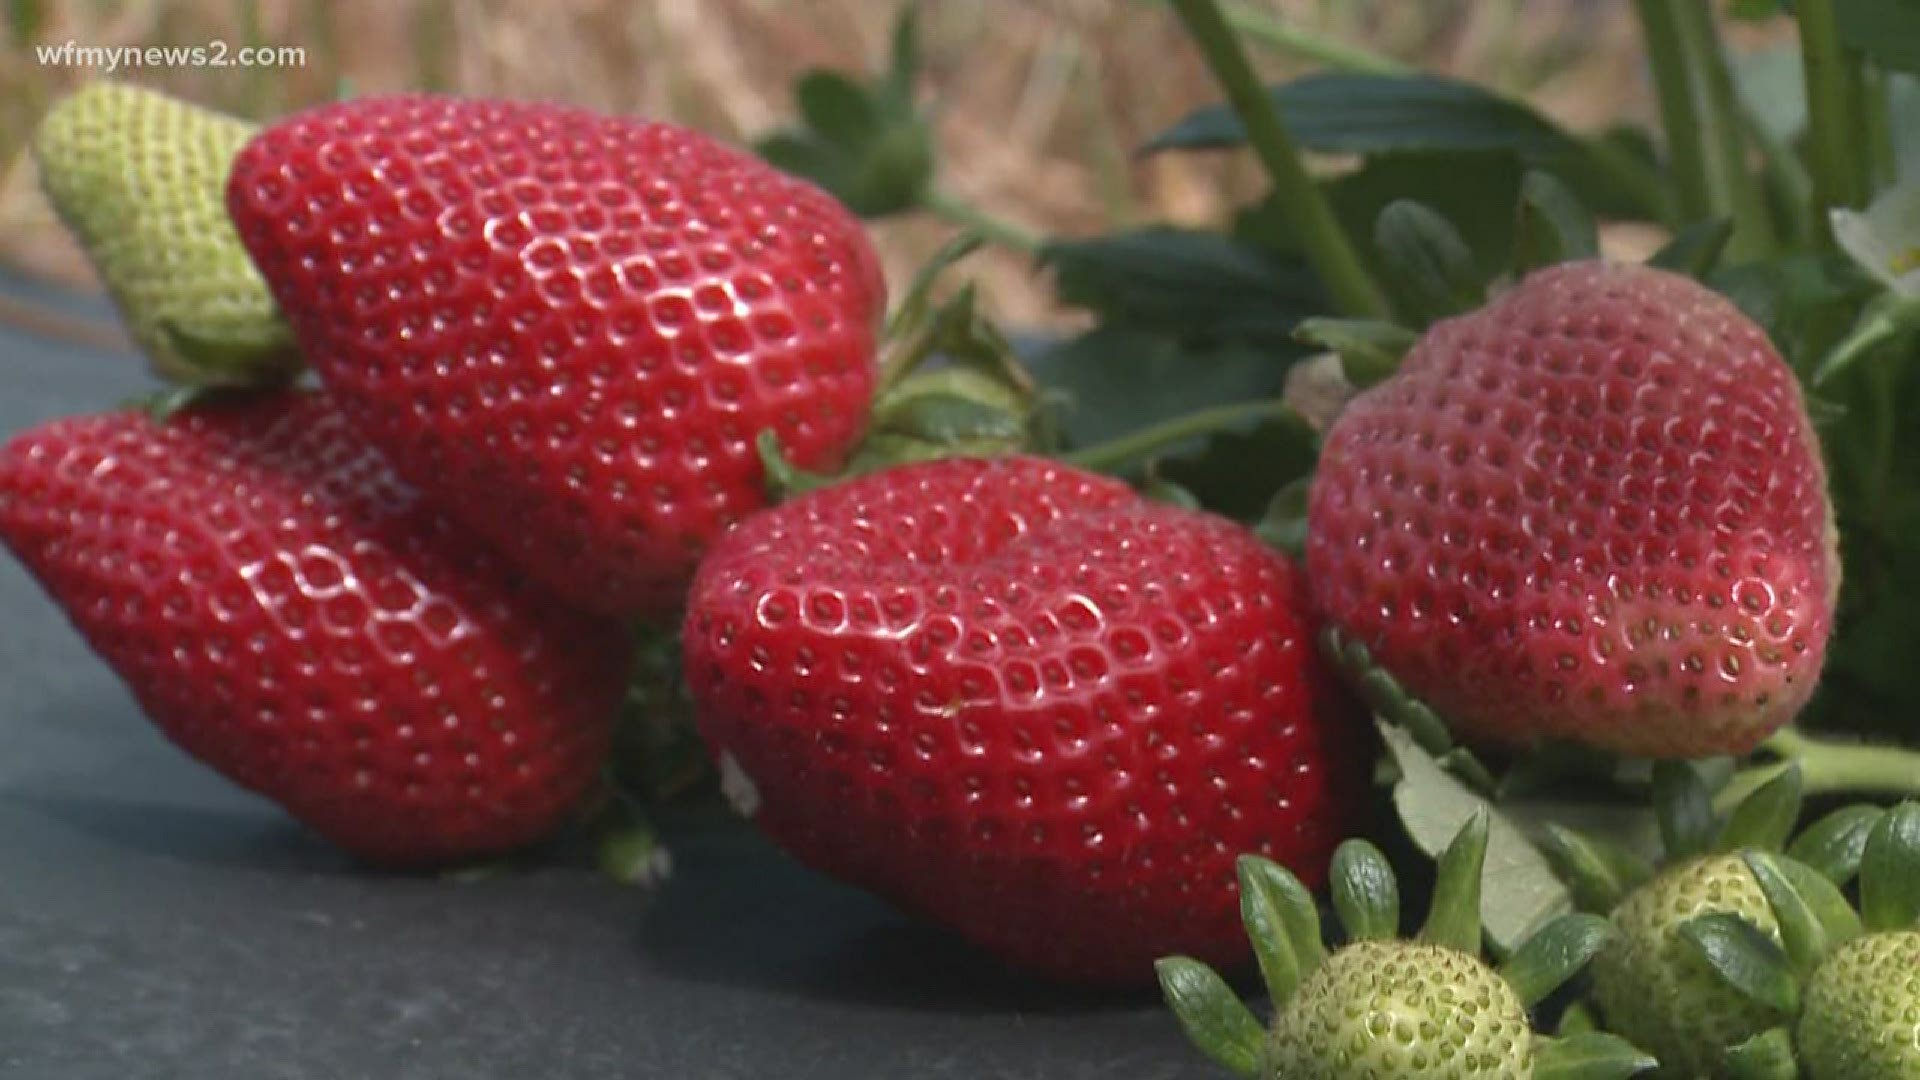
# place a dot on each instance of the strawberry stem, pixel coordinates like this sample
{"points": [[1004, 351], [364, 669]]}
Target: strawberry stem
{"points": [[1328, 247], [958, 211], [1837, 115], [1112, 455], [1827, 768], [1698, 115]]}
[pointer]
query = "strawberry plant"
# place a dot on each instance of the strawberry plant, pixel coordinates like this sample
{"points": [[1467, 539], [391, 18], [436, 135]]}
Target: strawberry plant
{"points": [[1081, 649]]}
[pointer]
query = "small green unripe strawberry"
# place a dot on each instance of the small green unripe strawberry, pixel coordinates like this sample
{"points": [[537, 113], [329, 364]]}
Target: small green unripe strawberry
{"points": [[141, 179], [1651, 985], [1386, 1009], [1846, 984], [1400, 1008], [1861, 1014]]}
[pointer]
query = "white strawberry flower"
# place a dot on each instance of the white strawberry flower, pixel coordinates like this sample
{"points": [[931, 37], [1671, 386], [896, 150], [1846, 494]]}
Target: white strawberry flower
{"points": [[1885, 237]]}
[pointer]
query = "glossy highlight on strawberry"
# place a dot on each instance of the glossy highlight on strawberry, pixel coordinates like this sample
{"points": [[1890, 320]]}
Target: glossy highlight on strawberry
{"points": [[290, 613], [1025, 702], [567, 328], [1593, 510]]}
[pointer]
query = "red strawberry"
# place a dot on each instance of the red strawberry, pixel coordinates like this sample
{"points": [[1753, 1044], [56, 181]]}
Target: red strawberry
{"points": [[1021, 700], [290, 614], [1594, 510], [566, 328]]}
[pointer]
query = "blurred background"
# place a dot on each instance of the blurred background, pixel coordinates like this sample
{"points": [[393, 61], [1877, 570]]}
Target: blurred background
{"points": [[1037, 104]]}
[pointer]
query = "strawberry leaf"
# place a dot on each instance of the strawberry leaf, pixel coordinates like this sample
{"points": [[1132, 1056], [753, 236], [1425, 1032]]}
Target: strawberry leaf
{"points": [[1767, 1056], [1369, 350], [1890, 871], [1215, 1020], [1553, 226], [1599, 872], [1765, 818], [1191, 285], [1589, 1055], [1801, 932], [1280, 895], [1549, 958], [1428, 265], [1365, 893], [1745, 959], [1888, 33], [1684, 809], [1454, 919], [1833, 846]]}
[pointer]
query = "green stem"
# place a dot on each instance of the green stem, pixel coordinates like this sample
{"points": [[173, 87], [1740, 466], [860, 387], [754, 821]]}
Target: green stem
{"points": [[1828, 768], [968, 216], [1328, 248], [1788, 176], [1701, 122], [1108, 456], [1878, 136], [1835, 107], [1269, 29]]}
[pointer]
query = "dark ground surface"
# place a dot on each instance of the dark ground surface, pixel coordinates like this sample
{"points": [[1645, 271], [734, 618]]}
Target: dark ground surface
{"points": [[155, 922]]}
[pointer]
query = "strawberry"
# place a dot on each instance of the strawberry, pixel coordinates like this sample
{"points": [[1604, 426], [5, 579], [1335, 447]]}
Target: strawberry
{"points": [[293, 616], [567, 329], [1650, 985], [1385, 1008], [1862, 1012], [1023, 701], [140, 178], [1593, 510]]}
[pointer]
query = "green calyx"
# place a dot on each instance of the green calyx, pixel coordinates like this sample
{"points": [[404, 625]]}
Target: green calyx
{"points": [[1842, 988], [140, 178], [1384, 1007], [949, 386], [1709, 948]]}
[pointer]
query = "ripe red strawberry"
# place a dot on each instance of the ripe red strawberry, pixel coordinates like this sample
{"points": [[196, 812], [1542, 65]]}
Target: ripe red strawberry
{"points": [[1593, 510], [566, 328], [290, 614], [1023, 701]]}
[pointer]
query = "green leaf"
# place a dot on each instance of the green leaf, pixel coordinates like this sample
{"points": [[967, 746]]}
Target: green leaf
{"points": [[1589, 1055], [1684, 808], [1284, 525], [1354, 113], [1695, 250], [1599, 873], [1801, 931], [1116, 381], [1887, 31], [1454, 919], [1365, 893], [1370, 351], [903, 68], [1890, 871], [1262, 913], [1557, 953], [1767, 1056], [1238, 473], [1765, 818], [1828, 904], [1552, 225], [1578, 1019], [1475, 191], [1188, 284], [839, 110], [1429, 266], [942, 416], [1215, 1020], [1299, 917], [1521, 891], [1745, 959], [1834, 845]]}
